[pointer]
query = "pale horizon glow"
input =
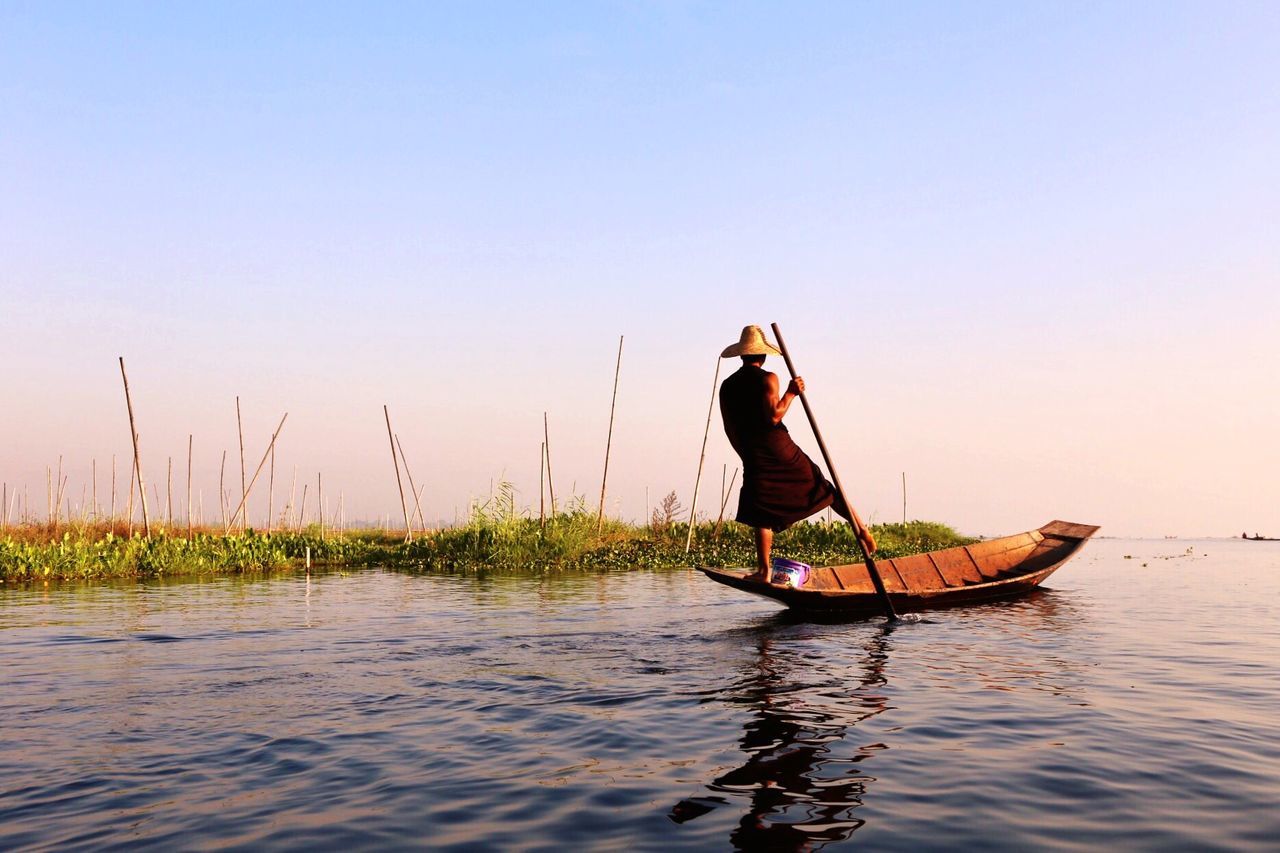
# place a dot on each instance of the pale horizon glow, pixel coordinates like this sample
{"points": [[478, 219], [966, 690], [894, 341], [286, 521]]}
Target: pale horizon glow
{"points": [[1026, 255]]}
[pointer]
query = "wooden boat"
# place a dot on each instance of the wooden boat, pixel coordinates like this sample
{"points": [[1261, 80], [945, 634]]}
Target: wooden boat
{"points": [[996, 568]]}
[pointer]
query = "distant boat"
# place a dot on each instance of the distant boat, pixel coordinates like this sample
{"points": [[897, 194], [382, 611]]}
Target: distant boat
{"points": [[997, 568], [1256, 538]]}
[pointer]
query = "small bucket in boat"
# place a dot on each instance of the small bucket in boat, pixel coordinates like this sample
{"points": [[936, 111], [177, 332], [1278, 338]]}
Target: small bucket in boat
{"points": [[789, 572]]}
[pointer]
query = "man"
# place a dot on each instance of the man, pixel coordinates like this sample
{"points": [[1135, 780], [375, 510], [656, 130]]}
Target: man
{"points": [[780, 484]]}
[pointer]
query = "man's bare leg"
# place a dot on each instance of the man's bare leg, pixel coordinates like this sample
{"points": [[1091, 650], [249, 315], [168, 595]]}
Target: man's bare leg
{"points": [[764, 544]]}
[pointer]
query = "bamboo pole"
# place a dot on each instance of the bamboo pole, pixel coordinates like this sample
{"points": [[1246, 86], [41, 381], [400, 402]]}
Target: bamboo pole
{"points": [[222, 492], [4, 504], [57, 501], [413, 490], [95, 488], [9, 507], [245, 498], [169, 497], [697, 481], [190, 442], [302, 511], [240, 431], [542, 489], [271, 490], [408, 529], [113, 489], [724, 501], [293, 493], [609, 441], [551, 485], [342, 514], [320, 504], [130, 509], [137, 459], [48, 488]]}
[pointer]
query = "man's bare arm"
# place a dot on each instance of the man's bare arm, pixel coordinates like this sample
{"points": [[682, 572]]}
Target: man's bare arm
{"points": [[775, 406]]}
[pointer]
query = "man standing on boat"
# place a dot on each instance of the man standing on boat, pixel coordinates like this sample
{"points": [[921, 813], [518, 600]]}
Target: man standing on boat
{"points": [[780, 484]]}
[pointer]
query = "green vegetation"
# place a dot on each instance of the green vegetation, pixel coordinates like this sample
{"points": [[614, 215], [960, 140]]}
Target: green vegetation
{"points": [[491, 541]]}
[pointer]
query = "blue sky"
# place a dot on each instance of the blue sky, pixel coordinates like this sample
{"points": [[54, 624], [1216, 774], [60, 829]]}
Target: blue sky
{"points": [[1025, 252]]}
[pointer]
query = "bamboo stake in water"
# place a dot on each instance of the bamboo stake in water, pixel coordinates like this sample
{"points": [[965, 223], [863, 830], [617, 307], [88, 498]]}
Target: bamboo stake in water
{"points": [[724, 501], [404, 508], [542, 489], [302, 511], [693, 504], [169, 496], [48, 488], [190, 441], [57, 501], [4, 504], [271, 490], [551, 485], [137, 459], [241, 510], [240, 431], [130, 508], [293, 493], [413, 490], [222, 493], [609, 441]]}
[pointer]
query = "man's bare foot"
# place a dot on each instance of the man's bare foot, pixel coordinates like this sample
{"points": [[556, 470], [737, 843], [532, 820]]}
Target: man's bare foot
{"points": [[757, 575]]}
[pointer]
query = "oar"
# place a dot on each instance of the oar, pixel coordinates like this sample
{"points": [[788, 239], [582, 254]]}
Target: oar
{"points": [[859, 529]]}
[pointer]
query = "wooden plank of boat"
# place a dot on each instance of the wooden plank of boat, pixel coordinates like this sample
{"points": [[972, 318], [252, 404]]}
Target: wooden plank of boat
{"points": [[996, 568]]}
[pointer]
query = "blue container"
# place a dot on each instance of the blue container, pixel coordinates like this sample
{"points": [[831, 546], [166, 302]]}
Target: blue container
{"points": [[789, 572]]}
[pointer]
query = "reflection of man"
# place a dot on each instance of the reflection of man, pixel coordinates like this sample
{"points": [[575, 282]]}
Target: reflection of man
{"points": [[780, 484]]}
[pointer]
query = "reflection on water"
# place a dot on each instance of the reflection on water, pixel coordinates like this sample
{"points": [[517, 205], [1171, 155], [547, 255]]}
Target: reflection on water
{"points": [[804, 776], [801, 794], [378, 709]]}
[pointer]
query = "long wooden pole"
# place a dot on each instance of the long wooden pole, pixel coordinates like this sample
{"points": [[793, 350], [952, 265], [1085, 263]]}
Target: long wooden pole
{"points": [[724, 501], [551, 485], [137, 459], [404, 507], [240, 431], [609, 441], [413, 489], [263, 462], [271, 490], [542, 488], [697, 481], [190, 442], [222, 494], [866, 544]]}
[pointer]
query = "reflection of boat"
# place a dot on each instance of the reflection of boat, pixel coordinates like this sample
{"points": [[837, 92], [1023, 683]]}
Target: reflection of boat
{"points": [[997, 568]]}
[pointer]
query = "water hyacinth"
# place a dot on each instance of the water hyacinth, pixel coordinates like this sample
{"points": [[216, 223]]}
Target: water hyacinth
{"points": [[494, 539]]}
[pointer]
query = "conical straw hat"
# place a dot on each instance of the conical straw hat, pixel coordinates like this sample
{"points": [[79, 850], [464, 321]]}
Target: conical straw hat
{"points": [[752, 342]]}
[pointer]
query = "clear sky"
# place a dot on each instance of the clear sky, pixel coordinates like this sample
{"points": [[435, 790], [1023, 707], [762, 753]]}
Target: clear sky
{"points": [[1027, 253]]}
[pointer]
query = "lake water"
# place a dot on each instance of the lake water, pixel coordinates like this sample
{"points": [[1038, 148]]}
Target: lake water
{"points": [[1134, 703]]}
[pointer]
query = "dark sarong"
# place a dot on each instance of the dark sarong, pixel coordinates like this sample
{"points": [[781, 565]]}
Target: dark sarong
{"points": [[780, 484]]}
